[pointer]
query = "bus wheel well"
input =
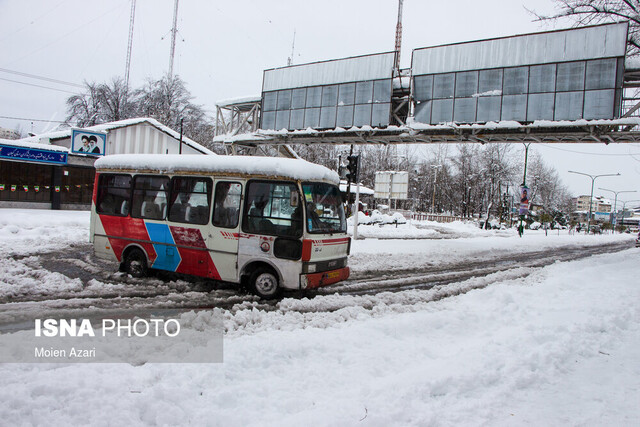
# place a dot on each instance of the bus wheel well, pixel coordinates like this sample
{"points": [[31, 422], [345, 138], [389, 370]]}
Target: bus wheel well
{"points": [[262, 279], [248, 270], [134, 261]]}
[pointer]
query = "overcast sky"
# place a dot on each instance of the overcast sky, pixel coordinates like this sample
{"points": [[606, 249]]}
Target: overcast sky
{"points": [[224, 46]]}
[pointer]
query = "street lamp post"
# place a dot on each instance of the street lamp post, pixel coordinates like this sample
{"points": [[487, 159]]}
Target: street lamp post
{"points": [[624, 205], [435, 177], [524, 182], [593, 180], [615, 200]]}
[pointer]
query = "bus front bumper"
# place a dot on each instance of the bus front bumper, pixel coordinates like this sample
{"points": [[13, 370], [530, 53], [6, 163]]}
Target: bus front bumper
{"points": [[325, 278]]}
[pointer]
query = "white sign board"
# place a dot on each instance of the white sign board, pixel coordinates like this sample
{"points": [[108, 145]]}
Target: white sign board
{"points": [[392, 185]]}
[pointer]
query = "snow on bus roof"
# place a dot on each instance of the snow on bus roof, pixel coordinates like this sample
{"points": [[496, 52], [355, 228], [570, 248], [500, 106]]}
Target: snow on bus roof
{"points": [[250, 165]]}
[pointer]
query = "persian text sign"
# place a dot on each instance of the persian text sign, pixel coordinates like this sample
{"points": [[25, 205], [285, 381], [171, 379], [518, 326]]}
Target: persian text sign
{"points": [[32, 155]]}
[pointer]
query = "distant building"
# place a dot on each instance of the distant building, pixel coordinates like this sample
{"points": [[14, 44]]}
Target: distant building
{"points": [[599, 204], [44, 172], [8, 134]]}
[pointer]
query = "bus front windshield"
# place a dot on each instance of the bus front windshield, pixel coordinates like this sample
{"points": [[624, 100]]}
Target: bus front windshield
{"points": [[324, 210]]}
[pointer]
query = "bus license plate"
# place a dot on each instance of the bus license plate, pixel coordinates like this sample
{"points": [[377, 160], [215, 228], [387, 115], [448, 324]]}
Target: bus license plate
{"points": [[333, 275]]}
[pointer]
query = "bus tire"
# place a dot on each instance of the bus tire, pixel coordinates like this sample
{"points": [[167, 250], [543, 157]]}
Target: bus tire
{"points": [[264, 283], [135, 263]]}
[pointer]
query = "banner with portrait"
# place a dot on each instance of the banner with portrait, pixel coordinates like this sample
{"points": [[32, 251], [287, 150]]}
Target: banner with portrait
{"points": [[88, 142], [524, 200]]}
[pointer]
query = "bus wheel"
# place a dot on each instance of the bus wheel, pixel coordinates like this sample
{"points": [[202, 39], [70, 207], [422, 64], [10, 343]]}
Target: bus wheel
{"points": [[264, 283], [135, 263]]}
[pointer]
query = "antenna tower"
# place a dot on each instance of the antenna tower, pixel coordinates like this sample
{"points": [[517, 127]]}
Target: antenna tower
{"points": [[130, 44], [174, 30], [399, 35], [293, 46]]}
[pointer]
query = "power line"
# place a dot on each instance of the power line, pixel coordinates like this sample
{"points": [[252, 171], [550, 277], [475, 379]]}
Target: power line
{"points": [[31, 120], [33, 76], [43, 87], [589, 154]]}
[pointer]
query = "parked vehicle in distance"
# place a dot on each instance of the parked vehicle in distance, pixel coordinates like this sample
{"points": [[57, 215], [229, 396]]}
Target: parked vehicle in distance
{"points": [[269, 223]]}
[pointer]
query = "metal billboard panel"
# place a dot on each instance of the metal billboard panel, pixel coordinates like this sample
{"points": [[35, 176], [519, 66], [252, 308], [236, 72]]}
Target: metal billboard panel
{"points": [[601, 41], [391, 185], [359, 68]]}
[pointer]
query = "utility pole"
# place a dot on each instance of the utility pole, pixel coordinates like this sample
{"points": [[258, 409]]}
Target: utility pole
{"points": [[181, 121], [129, 45], [398, 35], [174, 30]]}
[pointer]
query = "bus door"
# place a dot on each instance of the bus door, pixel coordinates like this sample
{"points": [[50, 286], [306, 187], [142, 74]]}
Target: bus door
{"points": [[222, 240], [272, 227]]}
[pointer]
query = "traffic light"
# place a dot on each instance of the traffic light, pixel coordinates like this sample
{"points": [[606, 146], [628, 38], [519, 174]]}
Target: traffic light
{"points": [[353, 167]]}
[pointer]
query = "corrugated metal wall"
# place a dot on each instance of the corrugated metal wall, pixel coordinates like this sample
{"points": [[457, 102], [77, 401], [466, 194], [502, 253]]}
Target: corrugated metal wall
{"points": [[143, 139], [370, 67], [602, 41]]}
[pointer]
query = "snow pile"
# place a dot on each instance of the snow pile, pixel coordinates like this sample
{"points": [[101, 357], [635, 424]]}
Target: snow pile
{"points": [[382, 226], [30, 231], [377, 217]]}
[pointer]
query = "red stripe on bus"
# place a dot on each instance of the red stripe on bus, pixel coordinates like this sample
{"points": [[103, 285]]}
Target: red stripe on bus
{"points": [[306, 249], [128, 229], [197, 262]]}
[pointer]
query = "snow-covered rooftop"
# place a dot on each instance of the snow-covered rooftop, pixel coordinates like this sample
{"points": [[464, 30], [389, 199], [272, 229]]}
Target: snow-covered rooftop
{"points": [[246, 165], [105, 127], [239, 100], [24, 143]]}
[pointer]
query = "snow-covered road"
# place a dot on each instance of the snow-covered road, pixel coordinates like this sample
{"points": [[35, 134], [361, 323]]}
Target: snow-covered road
{"points": [[550, 344]]}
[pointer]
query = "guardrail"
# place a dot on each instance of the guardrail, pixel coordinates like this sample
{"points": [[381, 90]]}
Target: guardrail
{"points": [[422, 216]]}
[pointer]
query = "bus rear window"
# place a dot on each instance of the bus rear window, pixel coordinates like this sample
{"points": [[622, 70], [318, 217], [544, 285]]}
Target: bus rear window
{"points": [[114, 193]]}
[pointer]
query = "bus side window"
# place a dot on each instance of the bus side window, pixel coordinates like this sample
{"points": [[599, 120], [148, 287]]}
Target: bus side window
{"points": [[226, 208], [272, 208], [190, 200], [149, 197], [114, 192]]}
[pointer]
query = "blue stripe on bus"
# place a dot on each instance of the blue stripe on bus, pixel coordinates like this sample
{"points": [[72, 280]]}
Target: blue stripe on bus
{"points": [[168, 257]]}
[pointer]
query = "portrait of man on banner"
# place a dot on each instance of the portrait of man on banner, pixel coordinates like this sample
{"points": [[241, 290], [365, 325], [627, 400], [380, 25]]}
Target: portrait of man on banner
{"points": [[524, 200], [88, 142]]}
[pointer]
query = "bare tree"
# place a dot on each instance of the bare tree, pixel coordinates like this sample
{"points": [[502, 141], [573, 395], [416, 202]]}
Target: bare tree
{"points": [[588, 12], [115, 101], [84, 109], [100, 103], [168, 101]]}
